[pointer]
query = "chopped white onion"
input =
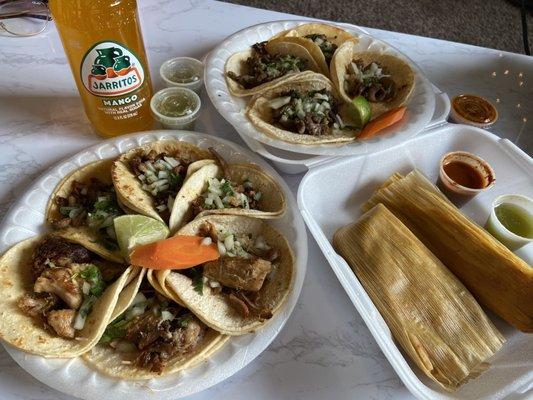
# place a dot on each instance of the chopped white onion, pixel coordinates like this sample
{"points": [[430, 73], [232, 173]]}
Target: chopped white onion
{"points": [[86, 287], [206, 241], [279, 102], [166, 315], [79, 321], [229, 242], [125, 347], [139, 298]]}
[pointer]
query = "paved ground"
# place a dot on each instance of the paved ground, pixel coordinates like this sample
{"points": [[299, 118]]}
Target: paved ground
{"points": [[487, 23]]}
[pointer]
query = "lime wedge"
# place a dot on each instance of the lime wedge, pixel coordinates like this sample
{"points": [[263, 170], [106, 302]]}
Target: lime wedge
{"points": [[135, 230], [360, 111]]}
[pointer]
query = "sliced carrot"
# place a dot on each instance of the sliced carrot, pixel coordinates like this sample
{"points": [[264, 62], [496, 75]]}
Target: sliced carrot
{"points": [[382, 122], [177, 252]]}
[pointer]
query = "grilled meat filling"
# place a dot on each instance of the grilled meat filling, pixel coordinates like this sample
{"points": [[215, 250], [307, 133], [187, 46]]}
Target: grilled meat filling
{"points": [[62, 321], [238, 273], [156, 330], [307, 113], [63, 283], [162, 176], [327, 47], [37, 304], [66, 285], [369, 81], [262, 67], [165, 341], [55, 251], [223, 193], [92, 204]]}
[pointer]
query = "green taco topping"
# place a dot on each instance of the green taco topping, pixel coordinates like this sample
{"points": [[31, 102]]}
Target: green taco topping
{"points": [[245, 264], [152, 331], [370, 81], [66, 284], [223, 193], [327, 47], [92, 204], [262, 67], [313, 112], [162, 176]]}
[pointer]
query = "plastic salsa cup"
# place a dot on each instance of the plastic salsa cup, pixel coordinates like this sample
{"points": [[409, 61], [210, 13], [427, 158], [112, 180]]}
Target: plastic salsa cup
{"points": [[463, 175], [176, 108], [473, 110], [183, 72], [517, 215]]}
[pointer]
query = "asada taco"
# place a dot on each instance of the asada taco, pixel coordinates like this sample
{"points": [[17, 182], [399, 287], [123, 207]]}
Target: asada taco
{"points": [[265, 64], [148, 178], [57, 297], [303, 110], [222, 188], [384, 80], [153, 336], [83, 206], [321, 40], [240, 291]]}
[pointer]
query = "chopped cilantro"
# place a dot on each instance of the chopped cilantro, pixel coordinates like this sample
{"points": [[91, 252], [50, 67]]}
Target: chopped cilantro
{"points": [[226, 188], [174, 180], [197, 281], [184, 320], [115, 330], [93, 276]]}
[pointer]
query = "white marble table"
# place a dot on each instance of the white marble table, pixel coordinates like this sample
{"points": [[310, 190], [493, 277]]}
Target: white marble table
{"points": [[325, 351]]}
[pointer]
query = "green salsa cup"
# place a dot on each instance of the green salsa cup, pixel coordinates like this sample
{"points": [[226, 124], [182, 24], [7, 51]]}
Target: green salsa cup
{"points": [[511, 220]]}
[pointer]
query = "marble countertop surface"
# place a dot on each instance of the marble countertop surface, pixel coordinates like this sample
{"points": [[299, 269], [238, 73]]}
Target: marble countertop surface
{"points": [[325, 350]]}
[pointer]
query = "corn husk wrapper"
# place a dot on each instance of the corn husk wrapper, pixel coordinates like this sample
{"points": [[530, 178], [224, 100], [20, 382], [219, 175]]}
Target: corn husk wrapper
{"points": [[500, 280], [430, 313]]}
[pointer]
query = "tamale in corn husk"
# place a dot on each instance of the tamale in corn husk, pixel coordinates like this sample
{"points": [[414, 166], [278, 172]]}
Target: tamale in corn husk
{"points": [[500, 280], [434, 318]]}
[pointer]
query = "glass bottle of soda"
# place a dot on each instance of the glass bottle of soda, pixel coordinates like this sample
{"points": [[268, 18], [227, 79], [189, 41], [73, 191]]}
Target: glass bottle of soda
{"points": [[103, 43]]}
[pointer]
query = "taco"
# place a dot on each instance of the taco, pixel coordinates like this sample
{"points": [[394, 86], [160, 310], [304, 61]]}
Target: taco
{"points": [[303, 110], [239, 292], [153, 336], [82, 209], [384, 80], [321, 40], [57, 297], [238, 189], [265, 64], [148, 178]]}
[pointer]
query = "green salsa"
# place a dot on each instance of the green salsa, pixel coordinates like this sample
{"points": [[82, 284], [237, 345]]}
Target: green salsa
{"points": [[184, 74], [516, 219], [176, 105]]}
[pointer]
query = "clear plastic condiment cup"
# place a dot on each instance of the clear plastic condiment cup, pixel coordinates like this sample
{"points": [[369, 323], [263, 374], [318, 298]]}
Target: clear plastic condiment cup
{"points": [[186, 121], [190, 65], [459, 194], [473, 110], [498, 230]]}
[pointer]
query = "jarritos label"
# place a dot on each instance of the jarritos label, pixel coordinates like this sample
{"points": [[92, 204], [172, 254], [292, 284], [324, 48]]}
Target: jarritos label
{"points": [[109, 69]]}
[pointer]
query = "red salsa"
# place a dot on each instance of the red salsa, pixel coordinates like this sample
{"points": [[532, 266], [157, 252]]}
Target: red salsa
{"points": [[464, 174], [474, 108]]}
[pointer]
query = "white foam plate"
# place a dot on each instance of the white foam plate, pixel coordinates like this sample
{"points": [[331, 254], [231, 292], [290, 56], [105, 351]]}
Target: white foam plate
{"points": [[351, 181], [74, 377], [420, 106]]}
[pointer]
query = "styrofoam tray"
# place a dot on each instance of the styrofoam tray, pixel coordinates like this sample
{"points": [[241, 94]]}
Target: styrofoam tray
{"points": [[351, 181], [74, 377], [420, 106]]}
